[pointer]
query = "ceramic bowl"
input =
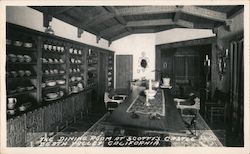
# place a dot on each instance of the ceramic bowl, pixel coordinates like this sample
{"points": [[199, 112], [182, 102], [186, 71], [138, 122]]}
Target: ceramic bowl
{"points": [[21, 73], [52, 95], [27, 72], [28, 45], [12, 57], [20, 89], [61, 71], [27, 58], [61, 82], [51, 83], [29, 87], [20, 58], [13, 74], [22, 108], [11, 112], [18, 43]]}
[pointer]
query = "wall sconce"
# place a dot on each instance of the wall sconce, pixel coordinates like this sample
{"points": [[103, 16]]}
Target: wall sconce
{"points": [[207, 61], [222, 57]]}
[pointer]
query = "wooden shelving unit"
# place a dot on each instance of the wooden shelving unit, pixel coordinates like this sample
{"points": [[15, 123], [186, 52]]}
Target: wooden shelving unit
{"points": [[49, 63], [49, 56]]}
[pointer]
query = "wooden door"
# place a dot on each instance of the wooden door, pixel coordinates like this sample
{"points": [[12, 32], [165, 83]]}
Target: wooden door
{"points": [[124, 71]]}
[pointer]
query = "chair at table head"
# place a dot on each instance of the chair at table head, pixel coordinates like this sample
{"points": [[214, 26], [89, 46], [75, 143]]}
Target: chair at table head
{"points": [[113, 102], [189, 107]]}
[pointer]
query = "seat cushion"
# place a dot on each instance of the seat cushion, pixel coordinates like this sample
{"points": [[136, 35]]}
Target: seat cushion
{"points": [[112, 105]]}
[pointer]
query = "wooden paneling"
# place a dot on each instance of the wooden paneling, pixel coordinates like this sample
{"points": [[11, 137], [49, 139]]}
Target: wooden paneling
{"points": [[124, 71], [16, 131]]}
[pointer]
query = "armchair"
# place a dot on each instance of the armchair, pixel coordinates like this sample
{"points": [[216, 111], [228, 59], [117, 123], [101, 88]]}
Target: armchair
{"points": [[112, 103], [192, 103], [189, 108]]}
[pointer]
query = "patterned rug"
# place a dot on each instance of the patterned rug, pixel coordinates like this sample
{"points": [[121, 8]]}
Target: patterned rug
{"points": [[156, 105], [104, 134]]}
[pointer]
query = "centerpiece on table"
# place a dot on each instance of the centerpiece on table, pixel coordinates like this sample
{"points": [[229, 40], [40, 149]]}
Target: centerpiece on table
{"points": [[150, 93]]}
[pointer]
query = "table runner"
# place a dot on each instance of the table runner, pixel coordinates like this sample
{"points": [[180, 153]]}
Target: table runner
{"points": [[157, 105]]}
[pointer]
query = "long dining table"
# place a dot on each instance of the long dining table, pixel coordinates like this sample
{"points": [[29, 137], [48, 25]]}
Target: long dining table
{"points": [[170, 121]]}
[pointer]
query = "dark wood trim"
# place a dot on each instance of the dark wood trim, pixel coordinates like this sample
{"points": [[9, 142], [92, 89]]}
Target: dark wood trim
{"points": [[15, 26], [235, 11], [201, 41]]}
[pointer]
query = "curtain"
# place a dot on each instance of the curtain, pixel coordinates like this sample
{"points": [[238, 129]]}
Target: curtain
{"points": [[237, 88]]}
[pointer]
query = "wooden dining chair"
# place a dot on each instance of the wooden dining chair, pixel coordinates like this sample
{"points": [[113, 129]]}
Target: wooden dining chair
{"points": [[189, 108], [112, 103]]}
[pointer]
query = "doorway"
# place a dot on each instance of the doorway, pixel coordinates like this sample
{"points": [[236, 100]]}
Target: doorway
{"points": [[124, 72]]}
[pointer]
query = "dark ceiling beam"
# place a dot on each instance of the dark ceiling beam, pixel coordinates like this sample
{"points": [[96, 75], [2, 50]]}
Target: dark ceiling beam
{"points": [[205, 13], [204, 26], [119, 18], [184, 23], [235, 11], [120, 36], [160, 22], [145, 23], [143, 31], [60, 10], [112, 29], [177, 13], [98, 19], [75, 23], [145, 10]]}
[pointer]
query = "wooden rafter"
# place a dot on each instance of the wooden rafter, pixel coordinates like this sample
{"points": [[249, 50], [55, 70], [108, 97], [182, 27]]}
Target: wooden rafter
{"points": [[112, 29], [177, 13], [145, 23], [159, 22], [98, 19], [204, 13], [236, 10], [143, 30], [60, 10], [184, 23], [145, 10], [120, 36], [119, 18]]}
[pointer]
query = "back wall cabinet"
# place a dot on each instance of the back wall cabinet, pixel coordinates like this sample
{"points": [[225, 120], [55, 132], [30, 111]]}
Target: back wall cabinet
{"points": [[50, 82]]}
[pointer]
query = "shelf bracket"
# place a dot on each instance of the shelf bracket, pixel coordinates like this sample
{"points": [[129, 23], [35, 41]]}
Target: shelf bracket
{"points": [[79, 32], [215, 31], [98, 39], [46, 20], [228, 25], [110, 42]]}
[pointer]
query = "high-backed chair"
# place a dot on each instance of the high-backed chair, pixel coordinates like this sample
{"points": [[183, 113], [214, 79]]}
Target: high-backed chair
{"points": [[112, 103], [189, 108]]}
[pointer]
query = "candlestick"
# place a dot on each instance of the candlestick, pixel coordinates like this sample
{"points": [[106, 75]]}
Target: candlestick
{"points": [[150, 85], [206, 57], [226, 52]]}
